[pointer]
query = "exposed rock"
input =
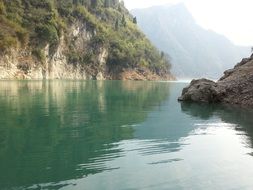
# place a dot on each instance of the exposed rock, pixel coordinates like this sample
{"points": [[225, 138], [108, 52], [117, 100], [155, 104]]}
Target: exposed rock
{"points": [[235, 87], [142, 75], [201, 90], [17, 66], [79, 42], [100, 76], [21, 64]]}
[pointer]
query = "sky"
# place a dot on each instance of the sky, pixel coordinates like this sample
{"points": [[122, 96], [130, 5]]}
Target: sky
{"points": [[232, 18]]}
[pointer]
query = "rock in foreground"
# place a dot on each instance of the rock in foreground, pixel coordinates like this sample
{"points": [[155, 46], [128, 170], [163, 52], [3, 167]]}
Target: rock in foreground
{"points": [[202, 90], [235, 87]]}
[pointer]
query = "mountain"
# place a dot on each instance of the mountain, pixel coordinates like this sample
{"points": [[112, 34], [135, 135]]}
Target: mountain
{"points": [[194, 51], [75, 39]]}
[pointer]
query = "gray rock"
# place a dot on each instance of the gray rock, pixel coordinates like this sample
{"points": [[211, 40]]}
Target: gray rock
{"points": [[202, 90], [235, 87]]}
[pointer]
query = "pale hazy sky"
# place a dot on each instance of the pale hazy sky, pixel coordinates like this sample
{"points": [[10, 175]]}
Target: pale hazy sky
{"points": [[232, 18]]}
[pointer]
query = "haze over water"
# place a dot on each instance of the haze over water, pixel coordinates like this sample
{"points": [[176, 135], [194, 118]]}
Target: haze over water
{"points": [[119, 135]]}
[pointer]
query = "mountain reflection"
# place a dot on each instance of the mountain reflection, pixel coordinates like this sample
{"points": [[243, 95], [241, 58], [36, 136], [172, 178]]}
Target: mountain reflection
{"points": [[60, 130], [241, 117]]}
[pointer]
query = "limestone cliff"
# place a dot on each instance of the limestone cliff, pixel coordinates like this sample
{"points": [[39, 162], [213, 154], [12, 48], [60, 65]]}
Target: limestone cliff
{"points": [[20, 63], [80, 39]]}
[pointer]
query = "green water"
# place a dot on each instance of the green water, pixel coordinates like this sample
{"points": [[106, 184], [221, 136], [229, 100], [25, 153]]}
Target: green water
{"points": [[116, 135]]}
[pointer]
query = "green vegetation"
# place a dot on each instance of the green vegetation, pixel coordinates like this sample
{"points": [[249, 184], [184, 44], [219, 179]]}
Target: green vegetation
{"points": [[36, 23]]}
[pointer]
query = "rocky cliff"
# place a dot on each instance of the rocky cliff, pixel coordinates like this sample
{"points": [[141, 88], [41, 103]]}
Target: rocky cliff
{"points": [[80, 39], [19, 63], [235, 87]]}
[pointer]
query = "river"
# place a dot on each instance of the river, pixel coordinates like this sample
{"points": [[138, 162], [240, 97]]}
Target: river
{"points": [[114, 135]]}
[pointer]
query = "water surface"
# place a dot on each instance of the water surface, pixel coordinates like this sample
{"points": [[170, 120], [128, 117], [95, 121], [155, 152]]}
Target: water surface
{"points": [[119, 135]]}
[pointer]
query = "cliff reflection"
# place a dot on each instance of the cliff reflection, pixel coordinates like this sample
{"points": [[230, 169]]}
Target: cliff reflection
{"points": [[60, 130]]}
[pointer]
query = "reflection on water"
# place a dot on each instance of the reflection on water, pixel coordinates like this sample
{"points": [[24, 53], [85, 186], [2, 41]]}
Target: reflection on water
{"points": [[119, 135], [240, 118], [54, 131]]}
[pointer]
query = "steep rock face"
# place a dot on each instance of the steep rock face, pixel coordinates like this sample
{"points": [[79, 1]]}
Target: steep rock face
{"points": [[81, 39], [21, 64], [235, 87]]}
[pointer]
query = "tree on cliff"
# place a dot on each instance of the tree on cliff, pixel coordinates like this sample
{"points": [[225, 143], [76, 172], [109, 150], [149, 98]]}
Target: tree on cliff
{"points": [[38, 24], [94, 3], [123, 21], [107, 3]]}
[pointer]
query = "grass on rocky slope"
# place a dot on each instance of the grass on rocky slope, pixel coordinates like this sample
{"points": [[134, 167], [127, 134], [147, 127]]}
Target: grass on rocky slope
{"points": [[35, 23]]}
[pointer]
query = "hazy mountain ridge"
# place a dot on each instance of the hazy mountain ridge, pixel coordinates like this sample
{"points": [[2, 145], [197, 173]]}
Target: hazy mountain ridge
{"points": [[194, 51]]}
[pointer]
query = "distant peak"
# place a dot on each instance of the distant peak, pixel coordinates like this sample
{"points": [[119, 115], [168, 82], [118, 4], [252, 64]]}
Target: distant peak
{"points": [[180, 5], [178, 10]]}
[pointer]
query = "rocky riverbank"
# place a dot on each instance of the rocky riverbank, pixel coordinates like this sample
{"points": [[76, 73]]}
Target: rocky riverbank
{"points": [[235, 87]]}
